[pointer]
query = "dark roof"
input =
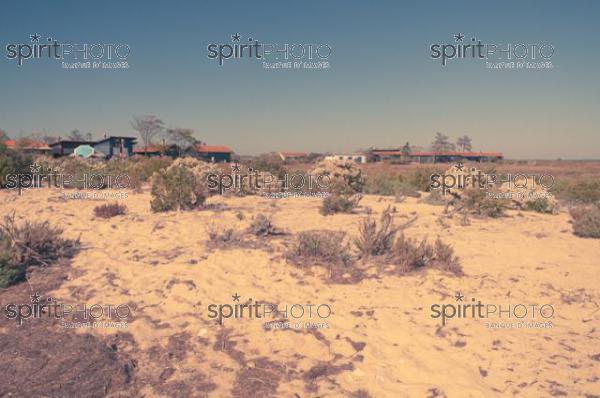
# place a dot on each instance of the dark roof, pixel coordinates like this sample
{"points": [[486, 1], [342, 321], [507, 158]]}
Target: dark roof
{"points": [[73, 142], [115, 136], [90, 142]]}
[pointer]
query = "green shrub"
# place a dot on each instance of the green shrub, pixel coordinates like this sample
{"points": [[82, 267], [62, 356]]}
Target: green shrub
{"points": [[478, 202], [13, 162], [177, 187], [383, 184], [540, 205], [586, 221]]}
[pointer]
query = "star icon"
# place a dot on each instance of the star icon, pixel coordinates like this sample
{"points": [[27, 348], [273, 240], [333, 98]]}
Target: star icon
{"points": [[236, 297], [235, 37], [459, 297], [236, 167], [35, 38], [459, 37], [35, 297], [35, 168], [460, 166]]}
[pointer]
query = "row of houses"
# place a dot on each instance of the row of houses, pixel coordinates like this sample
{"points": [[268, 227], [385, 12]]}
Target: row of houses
{"points": [[119, 146], [434, 156]]}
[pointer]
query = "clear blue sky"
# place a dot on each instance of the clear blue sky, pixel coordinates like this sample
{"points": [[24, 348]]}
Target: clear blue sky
{"points": [[382, 89]]}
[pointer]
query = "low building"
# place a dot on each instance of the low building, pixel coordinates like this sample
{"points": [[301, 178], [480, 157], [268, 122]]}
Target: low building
{"points": [[115, 146], [109, 146], [356, 158], [67, 147], [211, 153], [157, 150], [436, 156], [28, 146]]}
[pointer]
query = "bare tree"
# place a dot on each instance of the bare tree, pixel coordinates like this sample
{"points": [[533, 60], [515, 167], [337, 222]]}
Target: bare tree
{"points": [[148, 127], [182, 138], [464, 143], [442, 143], [77, 135], [405, 151]]}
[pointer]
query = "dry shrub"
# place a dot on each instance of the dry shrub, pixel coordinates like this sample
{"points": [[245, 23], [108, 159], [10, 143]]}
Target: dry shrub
{"points": [[408, 256], [540, 205], [477, 201], [585, 191], [110, 210], [218, 234], [262, 225], [377, 240], [336, 203], [586, 221], [181, 186], [324, 248], [435, 198], [345, 178], [30, 244]]}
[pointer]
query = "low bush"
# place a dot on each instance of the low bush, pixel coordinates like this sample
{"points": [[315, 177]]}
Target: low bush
{"points": [[435, 198], [377, 239], [586, 221], [578, 192], [262, 225], [178, 187], [478, 202], [218, 234], [408, 255], [28, 245], [540, 205], [12, 162], [333, 204], [326, 249], [110, 210]]}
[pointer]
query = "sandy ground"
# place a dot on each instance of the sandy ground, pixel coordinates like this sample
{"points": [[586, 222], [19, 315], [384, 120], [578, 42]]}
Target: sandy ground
{"points": [[380, 340]]}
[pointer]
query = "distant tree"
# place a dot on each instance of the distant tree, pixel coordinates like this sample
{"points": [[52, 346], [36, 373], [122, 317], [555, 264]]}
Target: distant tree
{"points": [[442, 143], [148, 127], [464, 143], [182, 138], [77, 135], [3, 136], [405, 151]]}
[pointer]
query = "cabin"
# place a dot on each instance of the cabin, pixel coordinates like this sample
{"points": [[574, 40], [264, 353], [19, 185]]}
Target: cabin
{"points": [[108, 147], [115, 146], [211, 153], [66, 147], [152, 150], [28, 146]]}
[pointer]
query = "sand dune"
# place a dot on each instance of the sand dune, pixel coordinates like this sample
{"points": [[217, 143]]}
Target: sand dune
{"points": [[380, 339]]}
